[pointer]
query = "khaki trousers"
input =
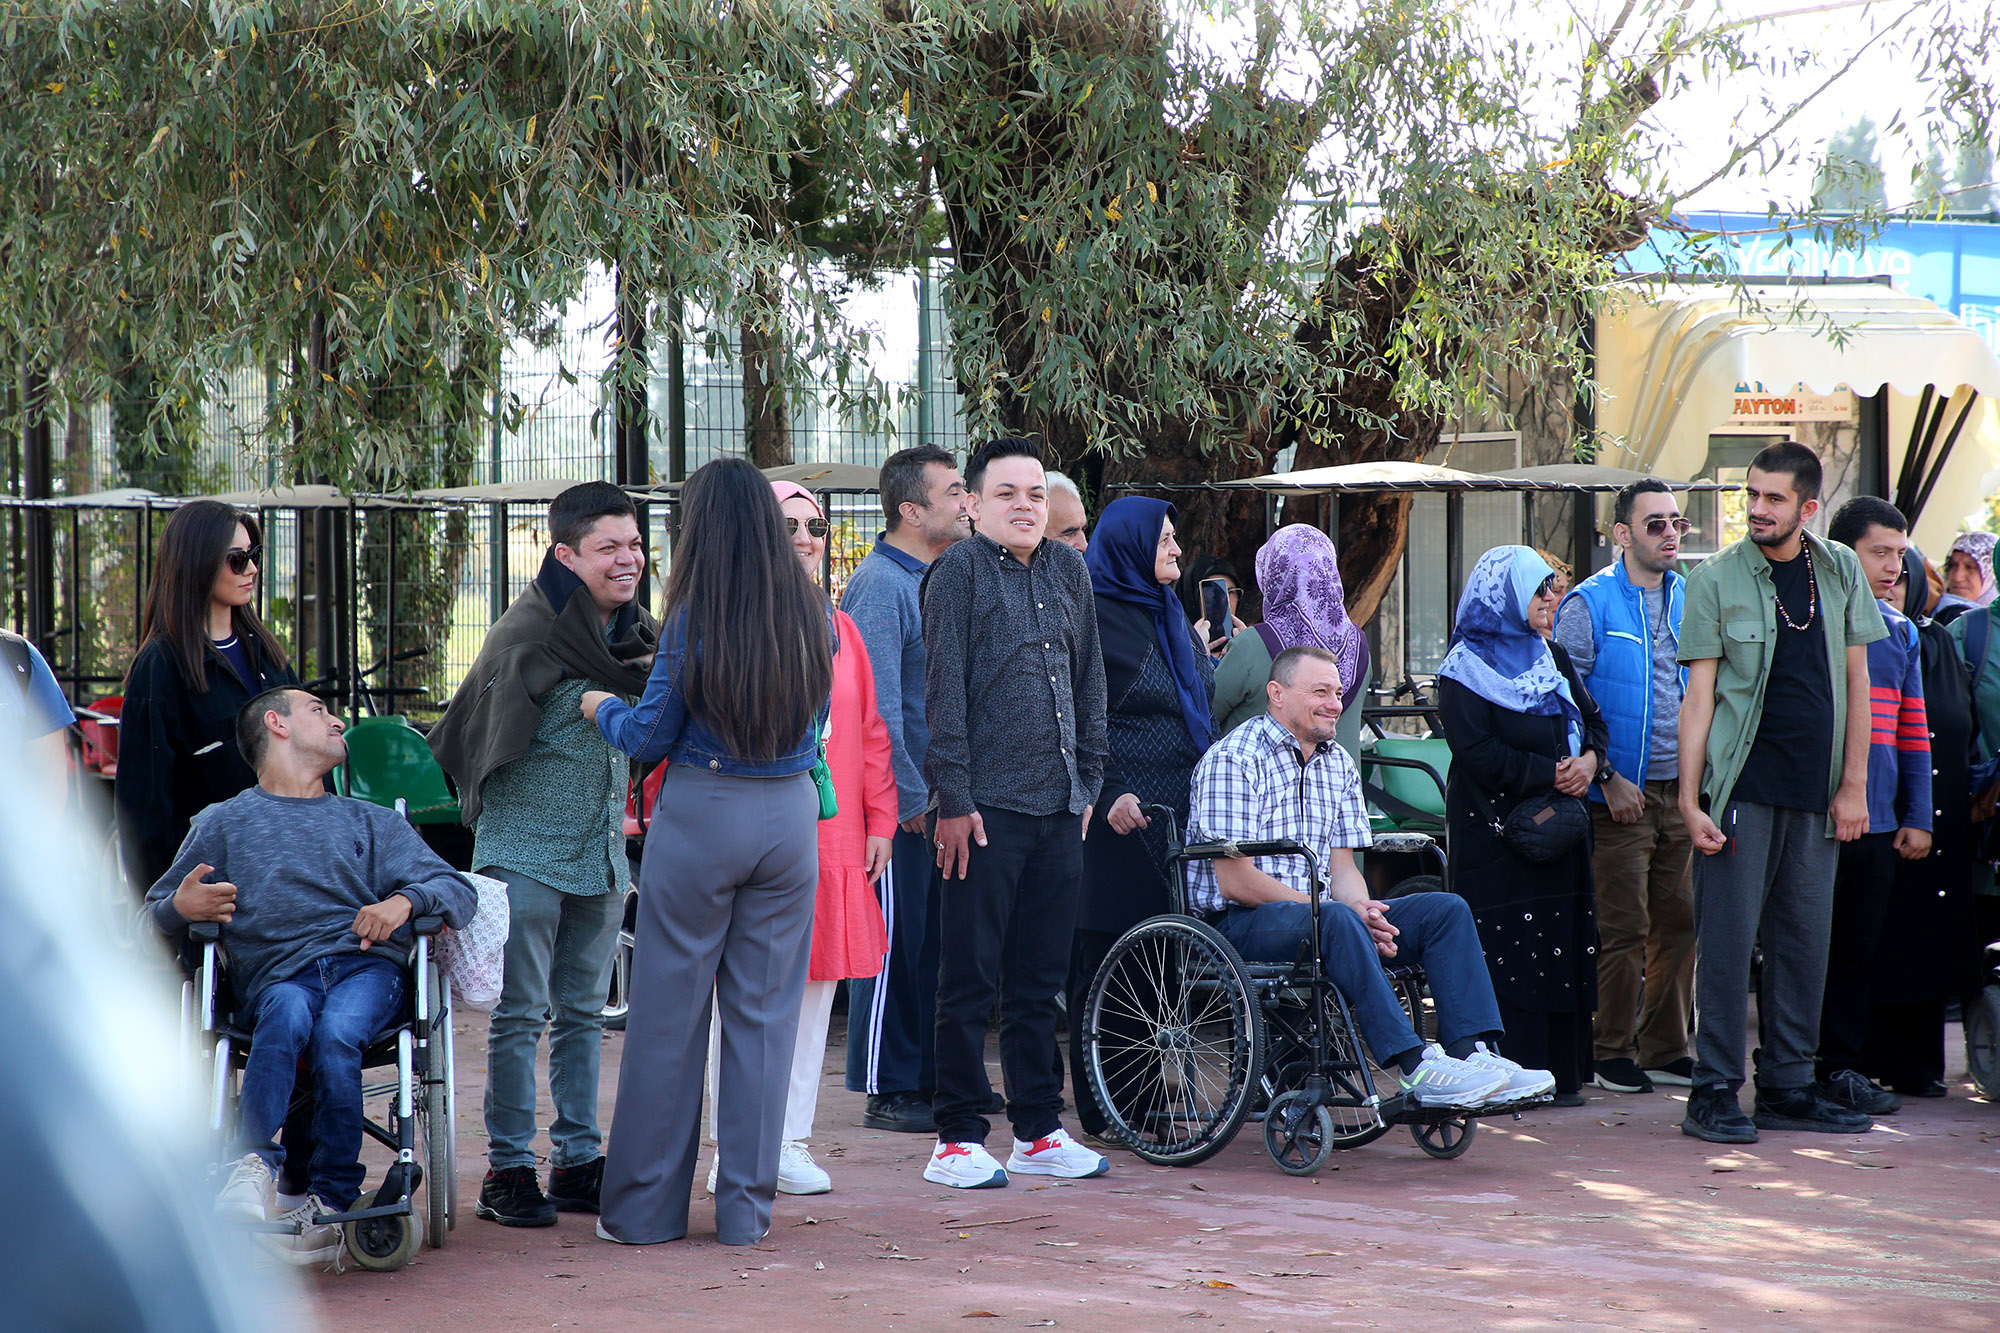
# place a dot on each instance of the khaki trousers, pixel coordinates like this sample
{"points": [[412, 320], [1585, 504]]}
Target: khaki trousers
{"points": [[1645, 932]]}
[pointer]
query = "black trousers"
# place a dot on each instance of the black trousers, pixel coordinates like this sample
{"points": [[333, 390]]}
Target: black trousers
{"points": [[1005, 930], [1865, 878], [1906, 1044]]}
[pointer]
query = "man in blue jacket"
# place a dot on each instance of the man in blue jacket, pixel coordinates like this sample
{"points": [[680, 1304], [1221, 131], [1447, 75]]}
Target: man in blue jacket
{"points": [[1621, 627]]}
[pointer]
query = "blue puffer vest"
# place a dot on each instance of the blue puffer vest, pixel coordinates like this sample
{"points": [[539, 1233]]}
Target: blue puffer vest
{"points": [[1621, 679]]}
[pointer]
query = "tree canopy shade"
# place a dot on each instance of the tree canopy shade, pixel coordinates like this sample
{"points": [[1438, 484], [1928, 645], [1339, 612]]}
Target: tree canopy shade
{"points": [[1184, 235]]}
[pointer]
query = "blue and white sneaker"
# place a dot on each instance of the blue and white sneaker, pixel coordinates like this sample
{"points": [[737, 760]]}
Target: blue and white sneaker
{"points": [[1521, 1083], [1439, 1080], [964, 1166], [1057, 1155]]}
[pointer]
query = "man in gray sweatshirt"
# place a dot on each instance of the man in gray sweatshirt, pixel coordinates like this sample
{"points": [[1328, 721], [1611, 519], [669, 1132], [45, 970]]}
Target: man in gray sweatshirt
{"points": [[315, 893]]}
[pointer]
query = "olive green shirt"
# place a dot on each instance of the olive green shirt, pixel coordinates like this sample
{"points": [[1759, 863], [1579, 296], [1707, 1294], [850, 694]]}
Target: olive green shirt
{"points": [[1732, 616]]}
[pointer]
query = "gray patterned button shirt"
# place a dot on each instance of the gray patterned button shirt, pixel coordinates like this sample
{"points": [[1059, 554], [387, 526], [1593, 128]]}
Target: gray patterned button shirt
{"points": [[1013, 680], [557, 814], [1251, 787]]}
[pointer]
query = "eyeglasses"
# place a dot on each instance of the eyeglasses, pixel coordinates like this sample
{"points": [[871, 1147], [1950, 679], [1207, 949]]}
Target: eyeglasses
{"points": [[1547, 585], [240, 558], [1657, 527], [818, 527]]}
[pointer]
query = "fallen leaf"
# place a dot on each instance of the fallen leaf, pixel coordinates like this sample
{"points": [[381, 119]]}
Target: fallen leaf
{"points": [[819, 1265], [1718, 1170], [979, 1314], [1059, 1244], [1193, 1186], [1216, 1282], [1208, 1228]]}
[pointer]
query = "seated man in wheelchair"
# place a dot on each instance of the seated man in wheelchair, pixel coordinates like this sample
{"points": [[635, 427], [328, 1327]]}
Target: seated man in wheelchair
{"points": [[1280, 775], [315, 892]]}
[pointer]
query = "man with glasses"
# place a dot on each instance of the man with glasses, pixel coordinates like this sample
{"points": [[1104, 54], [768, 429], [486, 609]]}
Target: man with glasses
{"points": [[1621, 627], [891, 1017]]}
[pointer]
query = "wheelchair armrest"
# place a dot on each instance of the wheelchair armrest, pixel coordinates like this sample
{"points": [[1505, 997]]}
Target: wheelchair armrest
{"points": [[205, 932], [427, 925], [1214, 851]]}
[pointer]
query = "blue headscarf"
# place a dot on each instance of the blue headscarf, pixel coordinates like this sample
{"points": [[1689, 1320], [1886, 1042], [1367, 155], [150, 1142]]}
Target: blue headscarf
{"points": [[1124, 552], [1495, 654]]}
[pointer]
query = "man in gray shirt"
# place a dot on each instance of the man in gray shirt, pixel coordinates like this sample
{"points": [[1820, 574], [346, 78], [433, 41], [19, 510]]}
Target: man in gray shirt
{"points": [[1014, 693], [1621, 628], [315, 893], [892, 1017]]}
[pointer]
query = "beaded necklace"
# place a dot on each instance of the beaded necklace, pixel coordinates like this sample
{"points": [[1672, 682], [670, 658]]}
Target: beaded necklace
{"points": [[1812, 595]]}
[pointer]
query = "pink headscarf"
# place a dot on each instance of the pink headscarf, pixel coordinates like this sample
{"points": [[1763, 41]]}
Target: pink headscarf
{"points": [[1298, 575], [786, 490]]}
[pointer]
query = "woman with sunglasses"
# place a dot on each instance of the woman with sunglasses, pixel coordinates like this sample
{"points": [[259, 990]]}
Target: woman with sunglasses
{"points": [[1521, 723], [203, 654]]}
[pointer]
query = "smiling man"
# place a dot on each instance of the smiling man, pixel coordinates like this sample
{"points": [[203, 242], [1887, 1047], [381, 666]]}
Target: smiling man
{"points": [[1014, 693], [1774, 743], [546, 797], [1621, 628]]}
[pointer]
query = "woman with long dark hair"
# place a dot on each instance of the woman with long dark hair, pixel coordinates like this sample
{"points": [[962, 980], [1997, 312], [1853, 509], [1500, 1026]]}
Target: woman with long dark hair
{"points": [[203, 654], [736, 700]]}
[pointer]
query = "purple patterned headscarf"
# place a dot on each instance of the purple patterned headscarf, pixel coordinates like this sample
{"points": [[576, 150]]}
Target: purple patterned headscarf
{"points": [[1979, 545], [1298, 576]]}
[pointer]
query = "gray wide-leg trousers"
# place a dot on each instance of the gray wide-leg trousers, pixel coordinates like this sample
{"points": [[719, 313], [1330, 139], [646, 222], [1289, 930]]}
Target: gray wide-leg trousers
{"points": [[725, 908]]}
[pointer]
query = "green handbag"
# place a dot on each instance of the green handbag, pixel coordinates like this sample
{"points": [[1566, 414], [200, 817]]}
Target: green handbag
{"points": [[829, 803]]}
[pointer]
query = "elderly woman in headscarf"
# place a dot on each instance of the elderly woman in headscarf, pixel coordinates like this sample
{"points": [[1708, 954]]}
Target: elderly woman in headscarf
{"points": [[1928, 953], [1521, 723], [1968, 575], [1298, 576], [1157, 678]]}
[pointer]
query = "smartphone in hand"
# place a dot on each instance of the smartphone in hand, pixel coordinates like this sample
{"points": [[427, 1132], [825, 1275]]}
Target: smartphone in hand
{"points": [[1215, 609]]}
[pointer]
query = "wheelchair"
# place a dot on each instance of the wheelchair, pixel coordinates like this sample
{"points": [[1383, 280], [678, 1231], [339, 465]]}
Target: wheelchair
{"points": [[383, 1233], [1184, 1040]]}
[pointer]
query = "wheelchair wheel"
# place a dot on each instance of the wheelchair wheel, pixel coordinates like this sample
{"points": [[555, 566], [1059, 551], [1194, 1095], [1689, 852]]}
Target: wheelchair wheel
{"points": [[384, 1244], [1288, 1063], [1173, 1040], [1298, 1135], [1445, 1139], [1982, 1041], [439, 1131], [618, 1001]]}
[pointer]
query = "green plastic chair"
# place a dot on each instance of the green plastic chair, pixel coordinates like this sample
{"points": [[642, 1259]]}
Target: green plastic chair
{"points": [[1406, 784], [388, 759]]}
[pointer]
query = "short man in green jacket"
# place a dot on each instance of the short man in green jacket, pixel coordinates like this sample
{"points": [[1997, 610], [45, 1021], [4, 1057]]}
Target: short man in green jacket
{"points": [[1776, 722]]}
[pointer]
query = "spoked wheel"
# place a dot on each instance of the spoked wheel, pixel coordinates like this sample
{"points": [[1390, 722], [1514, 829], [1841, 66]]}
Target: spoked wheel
{"points": [[1982, 1041], [618, 1002], [1297, 1134], [1173, 1039], [1445, 1139], [1288, 1062], [437, 1129]]}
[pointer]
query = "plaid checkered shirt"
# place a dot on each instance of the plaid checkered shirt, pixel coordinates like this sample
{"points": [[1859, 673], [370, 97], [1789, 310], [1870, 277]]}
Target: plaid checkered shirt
{"points": [[1251, 786]]}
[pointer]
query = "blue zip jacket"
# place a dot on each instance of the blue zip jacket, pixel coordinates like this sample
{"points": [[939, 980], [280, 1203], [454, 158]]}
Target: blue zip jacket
{"points": [[1621, 677], [661, 726]]}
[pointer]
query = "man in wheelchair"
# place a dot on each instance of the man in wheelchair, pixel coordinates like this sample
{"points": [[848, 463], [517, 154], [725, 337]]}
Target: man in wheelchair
{"points": [[1280, 775], [315, 892]]}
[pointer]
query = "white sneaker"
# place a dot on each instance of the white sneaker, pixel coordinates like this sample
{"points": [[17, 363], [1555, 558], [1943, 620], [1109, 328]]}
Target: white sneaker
{"points": [[1521, 1083], [714, 1165], [965, 1166], [248, 1192], [1440, 1080], [1057, 1155], [313, 1243], [798, 1173]]}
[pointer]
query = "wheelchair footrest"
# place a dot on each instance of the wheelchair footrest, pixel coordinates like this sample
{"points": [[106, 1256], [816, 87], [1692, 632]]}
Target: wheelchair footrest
{"points": [[1401, 1110]]}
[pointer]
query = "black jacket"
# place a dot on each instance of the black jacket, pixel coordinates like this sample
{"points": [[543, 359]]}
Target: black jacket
{"points": [[177, 750]]}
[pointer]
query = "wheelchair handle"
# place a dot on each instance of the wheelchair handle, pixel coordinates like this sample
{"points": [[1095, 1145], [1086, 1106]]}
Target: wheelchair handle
{"points": [[427, 925], [205, 932], [1210, 851]]}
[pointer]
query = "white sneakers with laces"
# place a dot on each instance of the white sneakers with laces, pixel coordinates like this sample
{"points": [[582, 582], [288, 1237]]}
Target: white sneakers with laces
{"points": [[1521, 1083], [1440, 1080], [965, 1166], [313, 1243], [798, 1173], [247, 1193], [1057, 1155]]}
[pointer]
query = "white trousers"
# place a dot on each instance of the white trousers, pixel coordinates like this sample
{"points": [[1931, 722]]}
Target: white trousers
{"points": [[808, 1061]]}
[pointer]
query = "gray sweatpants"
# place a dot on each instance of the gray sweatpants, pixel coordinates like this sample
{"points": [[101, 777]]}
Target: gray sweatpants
{"points": [[725, 911], [1772, 883]]}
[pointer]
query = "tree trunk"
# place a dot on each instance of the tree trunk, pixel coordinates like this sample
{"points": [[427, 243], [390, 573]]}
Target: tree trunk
{"points": [[767, 415]]}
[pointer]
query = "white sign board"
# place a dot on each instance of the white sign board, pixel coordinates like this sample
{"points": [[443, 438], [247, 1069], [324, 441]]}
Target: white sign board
{"points": [[1754, 405]]}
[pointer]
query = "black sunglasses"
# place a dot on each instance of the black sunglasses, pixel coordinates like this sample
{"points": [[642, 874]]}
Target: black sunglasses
{"points": [[1547, 585], [818, 527], [240, 558], [1657, 527]]}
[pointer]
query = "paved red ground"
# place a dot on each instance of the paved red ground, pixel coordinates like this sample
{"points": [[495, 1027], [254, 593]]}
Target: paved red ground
{"points": [[1603, 1217]]}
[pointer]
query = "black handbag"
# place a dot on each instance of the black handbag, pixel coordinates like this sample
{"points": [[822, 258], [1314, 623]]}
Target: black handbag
{"points": [[1544, 825]]}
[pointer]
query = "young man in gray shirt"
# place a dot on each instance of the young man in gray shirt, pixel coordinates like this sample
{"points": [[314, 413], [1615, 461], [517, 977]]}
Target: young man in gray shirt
{"points": [[892, 1017], [1014, 693], [1622, 627], [315, 893]]}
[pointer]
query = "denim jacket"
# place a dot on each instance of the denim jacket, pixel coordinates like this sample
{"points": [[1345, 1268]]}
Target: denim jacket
{"points": [[661, 726]]}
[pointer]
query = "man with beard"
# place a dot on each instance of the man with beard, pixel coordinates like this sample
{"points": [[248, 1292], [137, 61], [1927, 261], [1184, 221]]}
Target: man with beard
{"points": [[1774, 748]]}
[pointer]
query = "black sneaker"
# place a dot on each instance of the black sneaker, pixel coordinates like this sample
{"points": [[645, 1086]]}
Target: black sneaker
{"points": [[1920, 1088], [1713, 1114], [513, 1197], [1854, 1091], [1622, 1075], [1673, 1074], [902, 1112], [575, 1189], [1806, 1109]]}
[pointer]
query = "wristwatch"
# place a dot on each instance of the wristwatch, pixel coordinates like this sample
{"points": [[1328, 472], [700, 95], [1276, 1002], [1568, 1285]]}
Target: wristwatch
{"points": [[1605, 772]]}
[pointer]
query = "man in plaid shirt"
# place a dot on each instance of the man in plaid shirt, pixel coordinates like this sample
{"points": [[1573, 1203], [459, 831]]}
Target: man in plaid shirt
{"points": [[1281, 776]]}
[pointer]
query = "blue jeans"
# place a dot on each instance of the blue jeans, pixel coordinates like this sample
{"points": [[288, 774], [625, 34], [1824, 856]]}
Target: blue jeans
{"points": [[1437, 935], [558, 974], [328, 1013]]}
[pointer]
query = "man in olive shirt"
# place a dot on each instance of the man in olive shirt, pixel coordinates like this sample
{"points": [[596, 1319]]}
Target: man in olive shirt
{"points": [[1776, 722]]}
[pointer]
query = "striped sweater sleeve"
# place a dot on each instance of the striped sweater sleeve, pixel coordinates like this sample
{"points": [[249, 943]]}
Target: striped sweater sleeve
{"points": [[1913, 741]]}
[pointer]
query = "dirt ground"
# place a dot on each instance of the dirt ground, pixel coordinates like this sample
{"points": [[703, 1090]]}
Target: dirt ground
{"points": [[1600, 1217]]}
